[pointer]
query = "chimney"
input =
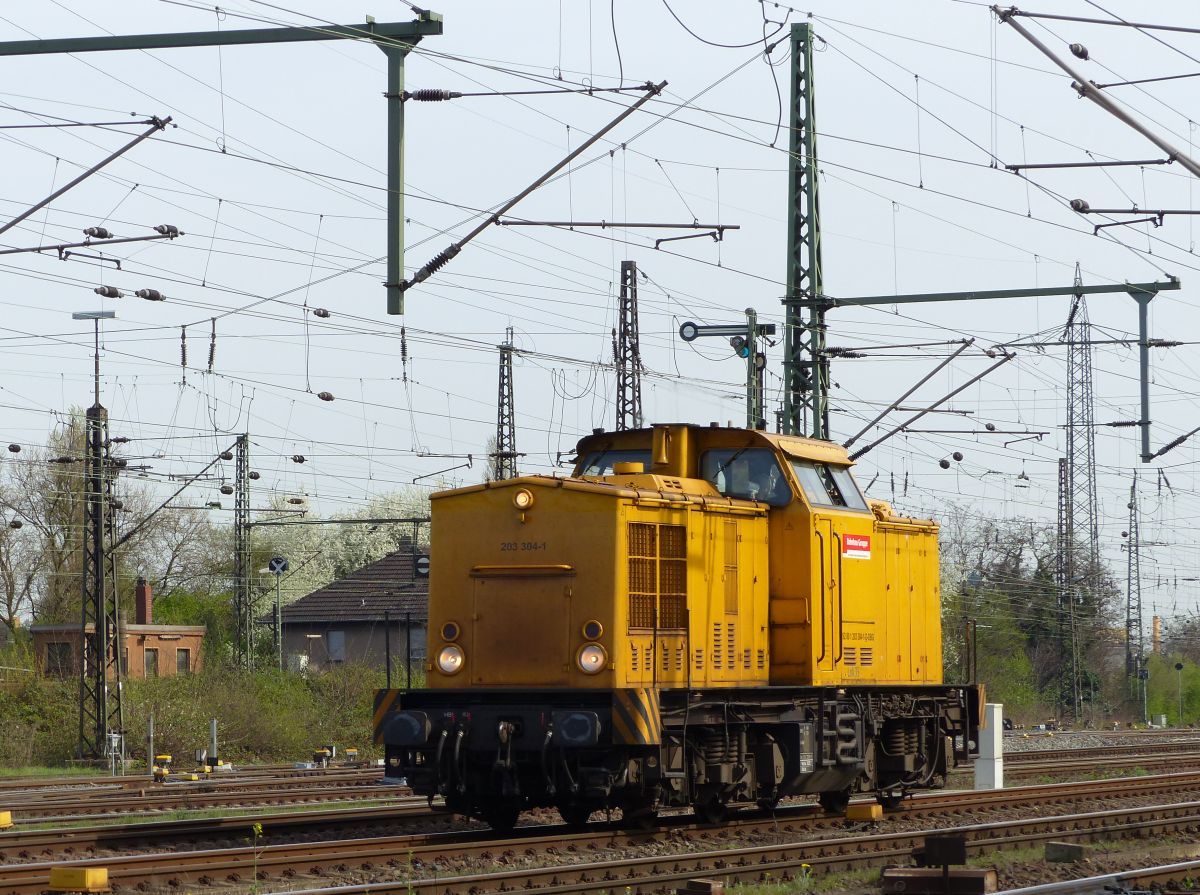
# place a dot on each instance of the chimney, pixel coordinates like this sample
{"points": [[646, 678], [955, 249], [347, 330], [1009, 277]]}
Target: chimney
{"points": [[143, 603]]}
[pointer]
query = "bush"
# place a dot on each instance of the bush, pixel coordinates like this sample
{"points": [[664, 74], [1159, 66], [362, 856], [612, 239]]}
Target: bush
{"points": [[262, 716]]}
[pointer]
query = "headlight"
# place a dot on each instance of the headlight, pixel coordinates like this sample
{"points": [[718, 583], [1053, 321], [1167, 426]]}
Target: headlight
{"points": [[591, 658], [523, 499], [450, 660]]}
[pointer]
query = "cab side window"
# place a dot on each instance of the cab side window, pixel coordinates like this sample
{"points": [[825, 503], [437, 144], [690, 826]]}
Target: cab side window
{"points": [[747, 474]]}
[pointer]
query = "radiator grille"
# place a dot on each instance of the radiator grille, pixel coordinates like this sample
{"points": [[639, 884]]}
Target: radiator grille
{"points": [[657, 575]]}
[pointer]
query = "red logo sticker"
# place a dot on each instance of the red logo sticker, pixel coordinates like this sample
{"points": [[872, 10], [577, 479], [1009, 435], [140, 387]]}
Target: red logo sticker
{"points": [[856, 546]]}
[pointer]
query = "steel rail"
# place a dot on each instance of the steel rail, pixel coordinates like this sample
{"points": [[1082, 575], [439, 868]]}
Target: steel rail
{"points": [[317, 858]]}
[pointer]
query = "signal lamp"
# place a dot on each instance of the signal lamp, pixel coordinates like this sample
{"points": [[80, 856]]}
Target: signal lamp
{"points": [[592, 630], [450, 631], [740, 346], [523, 499]]}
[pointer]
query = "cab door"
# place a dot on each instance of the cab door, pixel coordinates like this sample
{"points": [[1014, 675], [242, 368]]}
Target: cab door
{"points": [[825, 621]]}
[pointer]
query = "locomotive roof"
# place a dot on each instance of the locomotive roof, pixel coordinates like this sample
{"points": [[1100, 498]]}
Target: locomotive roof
{"points": [[793, 445]]}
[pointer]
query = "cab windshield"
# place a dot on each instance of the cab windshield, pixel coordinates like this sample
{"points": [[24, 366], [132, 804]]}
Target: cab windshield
{"points": [[828, 486], [602, 462], [747, 474]]}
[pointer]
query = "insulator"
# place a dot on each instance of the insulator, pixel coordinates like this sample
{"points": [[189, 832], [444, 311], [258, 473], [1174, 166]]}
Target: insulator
{"points": [[321, 312], [295, 501], [63, 460], [109, 291], [432, 95], [254, 476], [98, 233], [325, 396], [117, 504], [298, 458], [150, 295], [1079, 205], [991, 427], [183, 349], [945, 464], [435, 264], [120, 462], [15, 523], [957, 455], [168, 230], [226, 455], [213, 504], [15, 448], [227, 489], [1079, 51], [119, 439]]}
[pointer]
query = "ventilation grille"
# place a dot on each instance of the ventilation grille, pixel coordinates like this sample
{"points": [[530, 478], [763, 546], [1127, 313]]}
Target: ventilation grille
{"points": [[850, 655], [657, 575], [865, 656], [633, 657], [717, 643], [762, 659]]}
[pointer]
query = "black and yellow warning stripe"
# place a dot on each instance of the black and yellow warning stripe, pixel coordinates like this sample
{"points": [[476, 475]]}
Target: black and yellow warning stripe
{"points": [[637, 718], [385, 703]]}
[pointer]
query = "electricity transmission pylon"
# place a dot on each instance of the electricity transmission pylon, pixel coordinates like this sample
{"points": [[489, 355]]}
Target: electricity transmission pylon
{"points": [[1079, 534]]}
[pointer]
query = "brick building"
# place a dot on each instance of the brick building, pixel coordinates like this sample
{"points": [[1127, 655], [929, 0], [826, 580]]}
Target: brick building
{"points": [[149, 650]]}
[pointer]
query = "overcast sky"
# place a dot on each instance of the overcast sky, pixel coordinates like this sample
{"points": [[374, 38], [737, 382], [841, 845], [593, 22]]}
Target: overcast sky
{"points": [[276, 174]]}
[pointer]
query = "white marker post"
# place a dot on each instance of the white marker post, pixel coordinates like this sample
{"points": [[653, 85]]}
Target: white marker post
{"points": [[989, 766]]}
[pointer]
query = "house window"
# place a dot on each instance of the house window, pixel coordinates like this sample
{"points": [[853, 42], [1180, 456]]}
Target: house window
{"points": [[59, 659], [151, 663], [337, 646], [183, 661]]}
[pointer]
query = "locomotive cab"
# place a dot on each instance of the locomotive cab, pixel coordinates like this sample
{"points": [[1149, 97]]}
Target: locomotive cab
{"points": [[700, 616]]}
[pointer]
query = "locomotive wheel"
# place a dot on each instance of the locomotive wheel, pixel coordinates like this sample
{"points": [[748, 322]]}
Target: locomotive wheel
{"points": [[711, 812], [890, 801], [575, 815], [639, 817], [501, 816], [835, 802]]}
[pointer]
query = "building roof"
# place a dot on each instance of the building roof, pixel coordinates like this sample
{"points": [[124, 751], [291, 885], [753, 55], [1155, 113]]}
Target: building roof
{"points": [[73, 628], [390, 584]]}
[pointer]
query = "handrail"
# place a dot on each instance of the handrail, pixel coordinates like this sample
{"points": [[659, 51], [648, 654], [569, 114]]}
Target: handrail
{"points": [[841, 614], [821, 658], [542, 570]]}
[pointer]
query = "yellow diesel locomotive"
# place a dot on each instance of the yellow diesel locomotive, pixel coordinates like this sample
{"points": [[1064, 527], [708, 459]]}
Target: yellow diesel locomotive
{"points": [[703, 616]]}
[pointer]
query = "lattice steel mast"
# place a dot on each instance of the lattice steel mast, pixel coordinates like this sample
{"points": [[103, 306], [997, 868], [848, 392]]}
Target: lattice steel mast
{"points": [[1135, 646], [101, 712], [627, 352], [504, 458], [242, 602], [805, 366]]}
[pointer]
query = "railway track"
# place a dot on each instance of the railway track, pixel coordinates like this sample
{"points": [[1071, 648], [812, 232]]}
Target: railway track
{"points": [[43, 805], [804, 835]]}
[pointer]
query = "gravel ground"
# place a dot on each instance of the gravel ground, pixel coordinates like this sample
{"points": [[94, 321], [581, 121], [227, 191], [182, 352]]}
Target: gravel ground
{"points": [[1035, 741]]}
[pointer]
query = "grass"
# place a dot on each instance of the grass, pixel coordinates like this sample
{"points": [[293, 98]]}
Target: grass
{"points": [[67, 771]]}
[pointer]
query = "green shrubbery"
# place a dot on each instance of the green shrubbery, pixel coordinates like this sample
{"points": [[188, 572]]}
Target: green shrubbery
{"points": [[262, 716]]}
